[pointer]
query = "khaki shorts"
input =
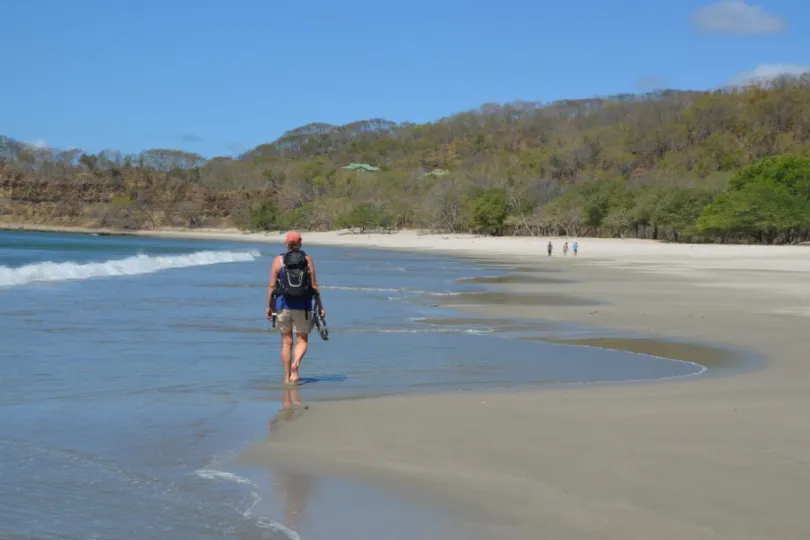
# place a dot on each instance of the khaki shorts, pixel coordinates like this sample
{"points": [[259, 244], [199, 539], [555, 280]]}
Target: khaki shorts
{"points": [[294, 320]]}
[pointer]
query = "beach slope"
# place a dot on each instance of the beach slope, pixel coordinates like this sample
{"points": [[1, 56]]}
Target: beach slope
{"points": [[720, 456], [712, 457]]}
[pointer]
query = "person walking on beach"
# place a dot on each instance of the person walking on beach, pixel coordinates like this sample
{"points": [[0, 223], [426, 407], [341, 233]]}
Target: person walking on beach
{"points": [[576, 248], [293, 285], [565, 248], [550, 247]]}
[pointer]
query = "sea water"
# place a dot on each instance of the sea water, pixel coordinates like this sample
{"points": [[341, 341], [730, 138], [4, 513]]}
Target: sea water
{"points": [[133, 368]]}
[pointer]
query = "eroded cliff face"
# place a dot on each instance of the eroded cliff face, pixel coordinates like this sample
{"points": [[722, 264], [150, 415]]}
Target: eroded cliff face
{"points": [[121, 202]]}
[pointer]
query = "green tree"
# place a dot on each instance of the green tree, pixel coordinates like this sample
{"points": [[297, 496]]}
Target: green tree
{"points": [[640, 165], [767, 201], [490, 209], [790, 171], [266, 217], [363, 216], [678, 209]]}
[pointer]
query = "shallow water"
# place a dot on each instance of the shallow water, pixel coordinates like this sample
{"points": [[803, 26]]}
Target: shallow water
{"points": [[132, 368]]}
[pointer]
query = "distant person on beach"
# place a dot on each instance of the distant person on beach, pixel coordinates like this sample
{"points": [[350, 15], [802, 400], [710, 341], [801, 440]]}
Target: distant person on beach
{"points": [[565, 248], [550, 247], [292, 288], [576, 247]]}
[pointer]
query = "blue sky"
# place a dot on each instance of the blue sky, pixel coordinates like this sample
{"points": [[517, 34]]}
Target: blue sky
{"points": [[221, 77]]}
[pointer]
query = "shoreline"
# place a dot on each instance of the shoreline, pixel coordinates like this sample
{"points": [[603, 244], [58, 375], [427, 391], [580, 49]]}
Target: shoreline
{"points": [[480, 247], [679, 458], [407, 241], [697, 457], [412, 241]]}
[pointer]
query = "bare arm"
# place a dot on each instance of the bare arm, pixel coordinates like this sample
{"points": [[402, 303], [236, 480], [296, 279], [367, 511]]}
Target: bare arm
{"points": [[314, 278], [315, 286], [274, 269]]}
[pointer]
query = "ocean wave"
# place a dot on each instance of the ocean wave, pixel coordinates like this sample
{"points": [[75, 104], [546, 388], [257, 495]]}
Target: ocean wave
{"points": [[277, 530], [130, 266]]}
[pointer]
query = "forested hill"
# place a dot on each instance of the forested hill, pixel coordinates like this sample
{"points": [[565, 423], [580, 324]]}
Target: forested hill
{"points": [[726, 165]]}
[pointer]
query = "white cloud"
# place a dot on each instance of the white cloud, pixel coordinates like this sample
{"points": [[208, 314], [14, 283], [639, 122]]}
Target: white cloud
{"points": [[738, 18], [765, 73]]}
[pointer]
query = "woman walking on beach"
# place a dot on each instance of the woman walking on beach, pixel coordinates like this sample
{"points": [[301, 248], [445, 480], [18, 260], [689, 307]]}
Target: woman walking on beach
{"points": [[292, 288]]}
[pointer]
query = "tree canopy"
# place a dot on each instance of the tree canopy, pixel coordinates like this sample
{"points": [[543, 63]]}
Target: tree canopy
{"points": [[728, 165]]}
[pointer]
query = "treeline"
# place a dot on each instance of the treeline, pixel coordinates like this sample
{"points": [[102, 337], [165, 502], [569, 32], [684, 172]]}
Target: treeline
{"points": [[727, 165]]}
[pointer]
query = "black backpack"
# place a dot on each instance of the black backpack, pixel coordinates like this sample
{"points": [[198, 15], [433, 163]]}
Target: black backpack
{"points": [[295, 282]]}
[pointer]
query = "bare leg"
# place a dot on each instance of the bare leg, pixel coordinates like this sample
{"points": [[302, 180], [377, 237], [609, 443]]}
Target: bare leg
{"points": [[286, 399], [301, 342], [294, 398], [286, 354]]}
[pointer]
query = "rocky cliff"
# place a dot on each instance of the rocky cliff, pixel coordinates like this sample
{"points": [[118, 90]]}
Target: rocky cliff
{"points": [[125, 201]]}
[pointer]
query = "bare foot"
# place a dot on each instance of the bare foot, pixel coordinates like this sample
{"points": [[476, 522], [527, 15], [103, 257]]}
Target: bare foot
{"points": [[294, 372]]}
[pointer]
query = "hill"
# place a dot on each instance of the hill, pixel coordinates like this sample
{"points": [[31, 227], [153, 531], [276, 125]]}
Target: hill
{"points": [[723, 165]]}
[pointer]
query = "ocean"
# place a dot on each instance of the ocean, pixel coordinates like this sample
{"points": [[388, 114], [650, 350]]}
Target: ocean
{"points": [[133, 370]]}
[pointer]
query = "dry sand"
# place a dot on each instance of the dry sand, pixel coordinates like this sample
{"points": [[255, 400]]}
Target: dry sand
{"points": [[725, 457], [705, 458]]}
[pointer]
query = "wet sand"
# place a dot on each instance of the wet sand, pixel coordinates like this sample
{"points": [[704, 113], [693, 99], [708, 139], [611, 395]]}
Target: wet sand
{"points": [[713, 358], [515, 298], [721, 457], [710, 457], [525, 276], [298, 503]]}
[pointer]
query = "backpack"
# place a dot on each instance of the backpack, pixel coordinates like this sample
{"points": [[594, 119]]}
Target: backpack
{"points": [[295, 281]]}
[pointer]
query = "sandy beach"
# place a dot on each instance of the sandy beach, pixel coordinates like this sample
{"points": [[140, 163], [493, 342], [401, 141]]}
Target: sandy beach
{"points": [[709, 457], [704, 458]]}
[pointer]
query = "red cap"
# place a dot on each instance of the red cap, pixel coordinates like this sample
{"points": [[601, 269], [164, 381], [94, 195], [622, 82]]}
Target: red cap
{"points": [[293, 238]]}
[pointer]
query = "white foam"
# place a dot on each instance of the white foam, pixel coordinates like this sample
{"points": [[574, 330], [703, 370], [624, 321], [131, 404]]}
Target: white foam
{"points": [[130, 266], [428, 329], [213, 474], [261, 522], [277, 527]]}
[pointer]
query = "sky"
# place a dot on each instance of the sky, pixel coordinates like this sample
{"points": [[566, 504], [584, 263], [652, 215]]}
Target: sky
{"points": [[219, 78]]}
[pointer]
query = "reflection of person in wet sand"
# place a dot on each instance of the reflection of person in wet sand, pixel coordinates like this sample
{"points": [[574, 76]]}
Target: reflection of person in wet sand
{"points": [[290, 405], [293, 488]]}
